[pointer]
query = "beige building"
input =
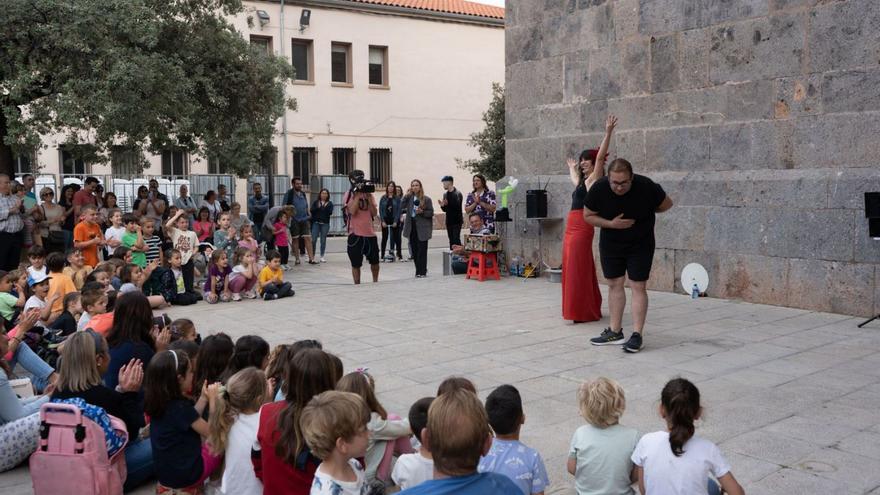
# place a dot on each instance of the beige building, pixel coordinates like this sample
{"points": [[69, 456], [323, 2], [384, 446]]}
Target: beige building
{"points": [[392, 87]]}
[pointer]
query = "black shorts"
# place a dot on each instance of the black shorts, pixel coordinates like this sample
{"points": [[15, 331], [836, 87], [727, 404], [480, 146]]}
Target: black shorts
{"points": [[634, 262], [360, 247], [300, 229]]}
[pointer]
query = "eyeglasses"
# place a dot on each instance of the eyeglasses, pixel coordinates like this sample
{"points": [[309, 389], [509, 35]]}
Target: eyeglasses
{"points": [[50, 193]]}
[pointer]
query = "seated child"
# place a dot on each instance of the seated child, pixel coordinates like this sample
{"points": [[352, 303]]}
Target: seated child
{"points": [[59, 284], [675, 461], [509, 456], [37, 257], [244, 274], [184, 329], [383, 429], [102, 274], [599, 457], [451, 383], [173, 282], [271, 282], [72, 308], [10, 305], [133, 278], [217, 284], [94, 302], [457, 435], [334, 426], [412, 469], [76, 269]]}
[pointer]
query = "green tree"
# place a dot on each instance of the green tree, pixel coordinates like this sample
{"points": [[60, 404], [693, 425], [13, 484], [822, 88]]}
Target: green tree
{"points": [[490, 141], [145, 74]]}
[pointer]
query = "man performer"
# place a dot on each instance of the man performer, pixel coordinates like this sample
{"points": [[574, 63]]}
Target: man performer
{"points": [[450, 203]]}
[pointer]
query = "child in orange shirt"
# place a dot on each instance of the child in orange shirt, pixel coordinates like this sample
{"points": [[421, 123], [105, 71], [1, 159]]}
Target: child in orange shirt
{"points": [[59, 282], [87, 236]]}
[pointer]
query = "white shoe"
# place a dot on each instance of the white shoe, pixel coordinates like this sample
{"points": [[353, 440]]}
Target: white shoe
{"points": [[323, 260], [285, 268]]}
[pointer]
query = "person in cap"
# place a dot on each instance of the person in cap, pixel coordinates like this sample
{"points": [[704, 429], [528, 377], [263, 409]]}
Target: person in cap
{"points": [[450, 203], [40, 300]]}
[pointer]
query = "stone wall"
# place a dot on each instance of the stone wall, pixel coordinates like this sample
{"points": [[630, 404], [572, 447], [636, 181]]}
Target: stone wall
{"points": [[760, 118]]}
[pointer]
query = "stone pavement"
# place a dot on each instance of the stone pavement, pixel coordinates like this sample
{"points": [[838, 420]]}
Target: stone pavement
{"points": [[791, 396]]}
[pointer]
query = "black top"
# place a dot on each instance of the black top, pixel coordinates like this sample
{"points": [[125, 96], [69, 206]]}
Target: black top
{"points": [[177, 448], [453, 207], [578, 196], [321, 214], [124, 406], [66, 323], [639, 203]]}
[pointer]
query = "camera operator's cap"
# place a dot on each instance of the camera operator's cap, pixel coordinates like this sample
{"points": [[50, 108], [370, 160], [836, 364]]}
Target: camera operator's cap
{"points": [[37, 278], [446, 178], [356, 173]]}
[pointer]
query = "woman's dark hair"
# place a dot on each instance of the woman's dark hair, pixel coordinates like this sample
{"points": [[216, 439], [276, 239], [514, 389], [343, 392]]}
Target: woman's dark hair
{"points": [[161, 383], [310, 373], [203, 209], [482, 180], [214, 354], [115, 199], [132, 320], [210, 194], [589, 155], [250, 350], [120, 252], [188, 347], [322, 191], [142, 189], [681, 401], [62, 196]]}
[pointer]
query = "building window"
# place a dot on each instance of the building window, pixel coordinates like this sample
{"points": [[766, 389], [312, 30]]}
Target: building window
{"points": [[380, 165], [379, 66], [303, 60], [343, 161], [24, 163], [71, 165], [262, 43], [216, 166], [125, 161], [305, 164], [340, 63], [174, 163]]}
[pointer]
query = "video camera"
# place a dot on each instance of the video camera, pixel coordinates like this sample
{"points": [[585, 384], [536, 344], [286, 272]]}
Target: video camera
{"points": [[359, 183]]}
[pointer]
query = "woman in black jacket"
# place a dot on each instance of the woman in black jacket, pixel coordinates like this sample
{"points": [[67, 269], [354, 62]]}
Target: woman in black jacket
{"points": [[321, 211]]}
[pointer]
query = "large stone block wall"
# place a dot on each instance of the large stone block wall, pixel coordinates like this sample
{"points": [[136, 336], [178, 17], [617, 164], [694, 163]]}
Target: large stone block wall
{"points": [[760, 118]]}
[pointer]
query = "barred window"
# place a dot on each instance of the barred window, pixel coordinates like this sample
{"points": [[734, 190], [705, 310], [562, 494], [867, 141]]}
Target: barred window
{"points": [[70, 165], [125, 161], [305, 164], [343, 161], [174, 163], [380, 165]]}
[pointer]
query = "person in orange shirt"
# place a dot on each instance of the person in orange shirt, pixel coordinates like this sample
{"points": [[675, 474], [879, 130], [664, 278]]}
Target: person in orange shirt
{"points": [[59, 282], [87, 236]]}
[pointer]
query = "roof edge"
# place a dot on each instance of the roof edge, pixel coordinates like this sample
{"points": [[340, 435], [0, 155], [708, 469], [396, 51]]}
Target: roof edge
{"points": [[395, 10]]}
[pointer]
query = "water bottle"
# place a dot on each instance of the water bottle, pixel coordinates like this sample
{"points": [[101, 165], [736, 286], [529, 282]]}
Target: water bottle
{"points": [[695, 292], [514, 267]]}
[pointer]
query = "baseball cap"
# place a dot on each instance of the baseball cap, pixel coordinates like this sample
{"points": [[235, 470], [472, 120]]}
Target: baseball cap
{"points": [[37, 278]]}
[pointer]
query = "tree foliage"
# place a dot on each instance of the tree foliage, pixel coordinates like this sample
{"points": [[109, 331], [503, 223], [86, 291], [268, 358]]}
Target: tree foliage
{"points": [[145, 74], [490, 141]]}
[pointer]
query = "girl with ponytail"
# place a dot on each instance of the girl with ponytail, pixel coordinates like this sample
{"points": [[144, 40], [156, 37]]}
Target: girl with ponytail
{"points": [[676, 461], [233, 428]]}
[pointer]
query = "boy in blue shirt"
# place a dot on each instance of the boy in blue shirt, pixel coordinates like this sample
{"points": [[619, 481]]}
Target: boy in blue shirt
{"points": [[508, 456], [457, 435]]}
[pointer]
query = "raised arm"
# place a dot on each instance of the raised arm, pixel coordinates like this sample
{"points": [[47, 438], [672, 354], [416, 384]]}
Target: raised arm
{"points": [[170, 224], [599, 166], [573, 173]]}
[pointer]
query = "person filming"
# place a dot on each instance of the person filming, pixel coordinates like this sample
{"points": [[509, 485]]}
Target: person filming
{"points": [[360, 209]]}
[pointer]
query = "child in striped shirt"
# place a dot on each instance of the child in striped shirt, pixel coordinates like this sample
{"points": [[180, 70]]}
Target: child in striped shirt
{"points": [[152, 241]]}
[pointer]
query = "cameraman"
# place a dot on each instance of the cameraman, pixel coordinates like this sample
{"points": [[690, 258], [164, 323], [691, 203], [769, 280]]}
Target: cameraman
{"points": [[360, 209]]}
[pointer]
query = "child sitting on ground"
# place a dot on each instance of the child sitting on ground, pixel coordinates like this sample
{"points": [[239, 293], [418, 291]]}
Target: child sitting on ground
{"points": [[133, 278], [509, 456], [246, 240], [271, 282], [65, 324], [334, 426], [234, 420], [383, 429], [224, 236], [60, 284], [181, 461], [94, 302], [675, 461], [184, 329], [174, 283], [217, 284], [37, 258], [102, 274], [186, 243], [39, 288], [457, 434], [244, 274], [599, 457], [413, 469], [10, 305], [451, 383], [76, 268]]}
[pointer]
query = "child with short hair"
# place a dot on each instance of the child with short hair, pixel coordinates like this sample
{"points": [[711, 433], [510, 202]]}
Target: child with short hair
{"points": [[186, 243], [599, 457], [65, 324], [282, 241], [224, 236], [180, 458], [384, 429], [413, 469], [217, 284], [60, 284], [10, 305], [133, 239], [175, 268], [675, 461], [184, 329], [508, 456], [113, 234], [133, 278], [271, 282], [94, 302], [87, 236], [244, 275], [451, 383], [457, 435], [37, 258], [152, 242], [233, 422], [102, 274], [76, 268], [39, 288], [334, 426]]}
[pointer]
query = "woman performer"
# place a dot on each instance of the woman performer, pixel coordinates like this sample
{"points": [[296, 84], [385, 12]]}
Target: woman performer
{"points": [[581, 299]]}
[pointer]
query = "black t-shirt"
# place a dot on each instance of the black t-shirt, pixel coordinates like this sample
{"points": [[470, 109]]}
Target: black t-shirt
{"points": [[639, 203], [66, 323], [578, 196], [177, 448]]}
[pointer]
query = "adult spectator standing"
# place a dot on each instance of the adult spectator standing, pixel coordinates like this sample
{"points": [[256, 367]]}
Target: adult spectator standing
{"points": [[482, 201], [418, 224], [624, 206], [85, 196], [157, 203], [299, 226], [450, 203], [65, 200], [360, 210], [257, 207], [321, 211], [184, 202], [389, 212], [52, 219], [210, 202], [11, 225], [225, 204], [30, 198]]}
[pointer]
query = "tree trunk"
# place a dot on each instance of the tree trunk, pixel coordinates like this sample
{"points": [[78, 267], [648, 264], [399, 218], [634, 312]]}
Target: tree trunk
{"points": [[7, 160]]}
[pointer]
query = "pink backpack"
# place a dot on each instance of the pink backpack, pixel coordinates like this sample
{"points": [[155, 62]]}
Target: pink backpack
{"points": [[72, 455]]}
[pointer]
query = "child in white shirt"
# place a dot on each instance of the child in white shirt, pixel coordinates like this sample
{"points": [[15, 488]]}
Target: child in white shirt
{"points": [[37, 258], [412, 469]]}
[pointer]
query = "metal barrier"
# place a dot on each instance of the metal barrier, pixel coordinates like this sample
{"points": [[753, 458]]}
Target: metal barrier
{"points": [[282, 184], [338, 185]]}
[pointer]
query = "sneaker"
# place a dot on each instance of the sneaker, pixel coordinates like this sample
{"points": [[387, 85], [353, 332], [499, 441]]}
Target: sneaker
{"points": [[250, 294], [297, 262], [634, 344], [313, 262], [236, 297], [608, 337], [270, 297], [285, 267], [323, 260]]}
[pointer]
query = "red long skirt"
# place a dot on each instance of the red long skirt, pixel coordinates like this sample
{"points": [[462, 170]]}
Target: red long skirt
{"points": [[581, 299]]}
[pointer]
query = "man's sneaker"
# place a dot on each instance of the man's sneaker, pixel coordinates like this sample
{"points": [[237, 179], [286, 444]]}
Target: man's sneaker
{"points": [[634, 344], [608, 337]]}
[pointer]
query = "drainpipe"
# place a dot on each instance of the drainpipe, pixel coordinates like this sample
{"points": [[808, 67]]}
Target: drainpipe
{"points": [[282, 44]]}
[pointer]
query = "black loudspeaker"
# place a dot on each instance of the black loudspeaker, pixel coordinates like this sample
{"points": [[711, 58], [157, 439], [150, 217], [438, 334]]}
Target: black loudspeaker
{"points": [[536, 203], [872, 204], [874, 228]]}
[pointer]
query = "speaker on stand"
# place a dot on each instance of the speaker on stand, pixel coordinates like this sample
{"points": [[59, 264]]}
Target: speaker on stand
{"points": [[872, 213]]}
